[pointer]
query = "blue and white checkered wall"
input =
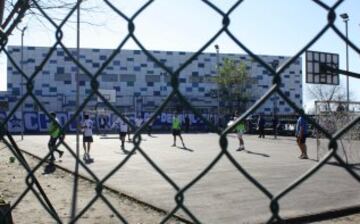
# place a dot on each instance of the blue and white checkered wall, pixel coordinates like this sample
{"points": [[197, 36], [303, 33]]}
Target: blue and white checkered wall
{"points": [[132, 74]]}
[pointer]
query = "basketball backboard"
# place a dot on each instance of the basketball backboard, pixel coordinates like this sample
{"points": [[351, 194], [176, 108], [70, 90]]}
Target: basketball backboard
{"points": [[316, 72]]}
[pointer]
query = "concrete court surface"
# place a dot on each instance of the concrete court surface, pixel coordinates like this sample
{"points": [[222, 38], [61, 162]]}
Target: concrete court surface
{"points": [[223, 195]]}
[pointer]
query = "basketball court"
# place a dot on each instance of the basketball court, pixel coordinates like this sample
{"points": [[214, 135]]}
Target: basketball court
{"points": [[223, 195]]}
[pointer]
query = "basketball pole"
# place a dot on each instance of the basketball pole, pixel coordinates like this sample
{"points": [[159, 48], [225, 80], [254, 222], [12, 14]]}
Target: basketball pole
{"points": [[346, 19], [75, 187]]}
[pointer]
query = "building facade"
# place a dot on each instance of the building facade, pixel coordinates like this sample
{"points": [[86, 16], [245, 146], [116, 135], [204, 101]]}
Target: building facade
{"points": [[137, 82]]}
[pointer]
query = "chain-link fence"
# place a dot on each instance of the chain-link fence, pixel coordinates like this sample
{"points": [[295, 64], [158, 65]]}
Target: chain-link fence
{"points": [[35, 187]]}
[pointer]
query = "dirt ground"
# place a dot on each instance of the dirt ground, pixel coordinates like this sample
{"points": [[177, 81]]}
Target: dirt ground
{"points": [[58, 187]]}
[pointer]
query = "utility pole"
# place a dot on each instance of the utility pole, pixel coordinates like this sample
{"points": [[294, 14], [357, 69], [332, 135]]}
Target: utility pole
{"points": [[346, 19], [77, 78], [218, 87], [22, 81], [275, 64]]}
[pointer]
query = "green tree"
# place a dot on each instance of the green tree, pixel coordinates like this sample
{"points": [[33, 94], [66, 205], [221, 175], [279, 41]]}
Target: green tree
{"points": [[232, 80]]}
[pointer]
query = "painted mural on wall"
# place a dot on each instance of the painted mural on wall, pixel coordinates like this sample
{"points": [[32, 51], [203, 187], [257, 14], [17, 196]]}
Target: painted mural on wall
{"points": [[38, 122]]}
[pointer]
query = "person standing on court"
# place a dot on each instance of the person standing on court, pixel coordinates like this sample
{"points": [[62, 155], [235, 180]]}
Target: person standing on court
{"points": [[55, 135], [149, 128], [87, 127], [129, 129], [176, 129], [122, 128], [187, 123], [102, 124], [240, 130], [301, 133], [138, 121], [261, 126]]}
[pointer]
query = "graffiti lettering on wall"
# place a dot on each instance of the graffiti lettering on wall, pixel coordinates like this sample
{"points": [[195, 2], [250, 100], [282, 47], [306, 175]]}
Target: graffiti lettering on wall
{"points": [[37, 122]]}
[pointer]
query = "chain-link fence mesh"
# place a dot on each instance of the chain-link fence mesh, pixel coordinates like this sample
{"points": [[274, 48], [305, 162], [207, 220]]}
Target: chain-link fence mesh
{"points": [[35, 187]]}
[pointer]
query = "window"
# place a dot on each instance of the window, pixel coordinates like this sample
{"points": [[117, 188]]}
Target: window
{"points": [[16, 91], [195, 79], [152, 78], [62, 77], [53, 89], [60, 70], [208, 79], [127, 78], [60, 53], [109, 78], [83, 78]]}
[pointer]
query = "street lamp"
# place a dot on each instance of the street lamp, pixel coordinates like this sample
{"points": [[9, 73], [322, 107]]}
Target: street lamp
{"points": [[218, 91], [345, 18], [22, 81], [275, 64]]}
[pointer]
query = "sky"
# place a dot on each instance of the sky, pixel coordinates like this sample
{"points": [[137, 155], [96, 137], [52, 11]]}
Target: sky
{"points": [[276, 27]]}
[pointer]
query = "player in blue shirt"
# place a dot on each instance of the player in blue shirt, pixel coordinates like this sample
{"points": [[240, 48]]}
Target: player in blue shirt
{"points": [[300, 133]]}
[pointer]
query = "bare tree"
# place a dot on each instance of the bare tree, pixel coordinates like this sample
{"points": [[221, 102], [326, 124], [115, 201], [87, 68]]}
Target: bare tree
{"points": [[326, 93], [14, 12], [13, 16]]}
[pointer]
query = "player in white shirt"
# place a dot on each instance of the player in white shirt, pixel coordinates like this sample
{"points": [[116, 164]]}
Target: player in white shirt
{"points": [[129, 129], [122, 128], [138, 121], [87, 126]]}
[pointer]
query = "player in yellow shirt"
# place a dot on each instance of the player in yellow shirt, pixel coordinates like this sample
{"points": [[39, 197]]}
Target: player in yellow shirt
{"points": [[240, 130], [176, 129], [55, 135]]}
